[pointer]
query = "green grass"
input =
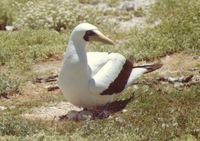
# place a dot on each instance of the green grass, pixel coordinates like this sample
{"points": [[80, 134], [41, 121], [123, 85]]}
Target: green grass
{"points": [[178, 31], [159, 116], [5, 15], [9, 85], [169, 114], [22, 48], [16, 127]]}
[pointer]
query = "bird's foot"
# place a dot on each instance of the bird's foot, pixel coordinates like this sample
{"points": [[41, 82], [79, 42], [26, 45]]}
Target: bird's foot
{"points": [[71, 115], [105, 113], [85, 115]]}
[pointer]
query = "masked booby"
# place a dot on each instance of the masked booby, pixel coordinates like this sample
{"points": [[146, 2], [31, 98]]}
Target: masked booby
{"points": [[95, 78]]}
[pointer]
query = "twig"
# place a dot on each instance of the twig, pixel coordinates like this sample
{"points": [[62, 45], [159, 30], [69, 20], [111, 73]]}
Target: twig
{"points": [[177, 79], [44, 80], [5, 95], [53, 88]]}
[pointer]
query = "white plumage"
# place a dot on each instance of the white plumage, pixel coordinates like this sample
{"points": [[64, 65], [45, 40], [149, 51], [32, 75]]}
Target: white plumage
{"points": [[95, 78]]}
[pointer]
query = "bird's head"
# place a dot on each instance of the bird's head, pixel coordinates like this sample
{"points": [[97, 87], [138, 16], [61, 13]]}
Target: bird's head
{"points": [[88, 32]]}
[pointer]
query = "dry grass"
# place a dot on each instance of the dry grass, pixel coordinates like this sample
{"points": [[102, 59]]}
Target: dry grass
{"points": [[177, 64]]}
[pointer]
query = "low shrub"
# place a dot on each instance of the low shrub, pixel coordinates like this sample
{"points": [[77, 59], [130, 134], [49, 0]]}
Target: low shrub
{"points": [[5, 15], [56, 14]]}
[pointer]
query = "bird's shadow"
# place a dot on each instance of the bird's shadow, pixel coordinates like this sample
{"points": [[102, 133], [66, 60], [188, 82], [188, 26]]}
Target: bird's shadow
{"points": [[98, 112]]}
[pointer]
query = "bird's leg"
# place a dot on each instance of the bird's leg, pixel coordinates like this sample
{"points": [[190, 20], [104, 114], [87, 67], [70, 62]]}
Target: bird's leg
{"points": [[106, 107], [105, 111]]}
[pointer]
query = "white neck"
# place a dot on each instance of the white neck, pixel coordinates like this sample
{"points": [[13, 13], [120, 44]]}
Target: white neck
{"points": [[75, 55]]}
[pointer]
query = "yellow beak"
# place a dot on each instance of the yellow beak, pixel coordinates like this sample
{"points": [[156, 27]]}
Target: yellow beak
{"points": [[100, 38]]}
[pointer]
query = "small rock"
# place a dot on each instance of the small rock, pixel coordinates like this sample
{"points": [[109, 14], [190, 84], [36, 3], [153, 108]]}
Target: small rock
{"points": [[128, 6], [112, 9], [194, 69], [118, 119], [47, 87], [12, 107], [9, 28], [2, 108], [124, 110], [181, 78], [175, 124], [85, 115], [165, 125], [196, 57], [178, 84], [172, 80], [52, 108], [163, 82], [134, 114], [110, 116], [135, 87], [168, 57]]}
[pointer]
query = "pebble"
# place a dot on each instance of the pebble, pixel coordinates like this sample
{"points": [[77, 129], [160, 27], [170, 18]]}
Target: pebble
{"points": [[172, 80], [118, 119], [128, 6], [178, 84], [12, 107], [9, 28], [134, 114], [194, 69], [124, 110], [135, 87], [2, 108], [165, 125]]}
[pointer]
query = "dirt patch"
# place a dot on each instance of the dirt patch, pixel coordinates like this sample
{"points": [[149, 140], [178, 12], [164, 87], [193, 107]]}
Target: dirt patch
{"points": [[52, 112], [52, 66], [179, 64], [35, 91]]}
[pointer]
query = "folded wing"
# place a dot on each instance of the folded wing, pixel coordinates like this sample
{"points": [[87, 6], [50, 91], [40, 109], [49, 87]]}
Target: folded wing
{"points": [[112, 77]]}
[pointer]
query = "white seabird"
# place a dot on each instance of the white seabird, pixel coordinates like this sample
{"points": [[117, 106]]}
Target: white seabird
{"points": [[95, 78]]}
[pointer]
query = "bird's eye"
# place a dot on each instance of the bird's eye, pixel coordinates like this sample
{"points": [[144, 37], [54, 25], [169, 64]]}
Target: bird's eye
{"points": [[88, 32]]}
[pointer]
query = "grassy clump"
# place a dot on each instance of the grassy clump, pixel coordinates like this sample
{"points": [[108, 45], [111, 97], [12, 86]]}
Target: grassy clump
{"points": [[9, 10], [6, 16], [25, 47], [173, 8], [17, 127], [8, 85], [152, 116]]}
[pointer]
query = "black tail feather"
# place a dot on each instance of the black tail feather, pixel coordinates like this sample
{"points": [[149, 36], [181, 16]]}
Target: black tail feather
{"points": [[150, 68]]}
